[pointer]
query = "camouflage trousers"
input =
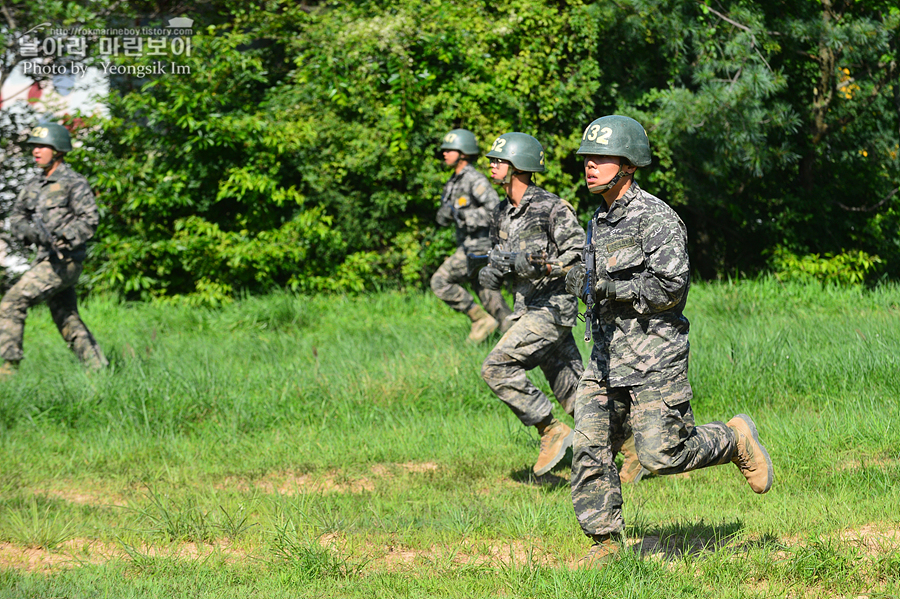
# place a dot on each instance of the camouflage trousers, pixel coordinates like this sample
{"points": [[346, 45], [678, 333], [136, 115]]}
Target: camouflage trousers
{"points": [[534, 340], [53, 282], [666, 440], [447, 284]]}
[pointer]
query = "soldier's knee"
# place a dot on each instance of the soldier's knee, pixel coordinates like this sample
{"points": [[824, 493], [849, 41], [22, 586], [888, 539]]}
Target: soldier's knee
{"points": [[655, 459], [437, 282], [493, 372]]}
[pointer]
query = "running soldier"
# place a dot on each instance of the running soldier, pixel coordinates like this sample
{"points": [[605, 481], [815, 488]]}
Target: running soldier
{"points": [[468, 201], [638, 366], [56, 212], [534, 222]]}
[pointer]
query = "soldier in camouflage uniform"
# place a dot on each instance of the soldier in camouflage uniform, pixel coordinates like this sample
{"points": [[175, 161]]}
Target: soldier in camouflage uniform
{"points": [[638, 366], [468, 201], [56, 212], [533, 220]]}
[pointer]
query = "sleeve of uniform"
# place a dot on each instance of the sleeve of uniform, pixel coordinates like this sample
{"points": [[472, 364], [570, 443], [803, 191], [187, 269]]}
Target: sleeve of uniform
{"points": [[495, 225], [569, 238], [445, 211], [83, 223], [19, 221], [662, 283], [485, 195]]}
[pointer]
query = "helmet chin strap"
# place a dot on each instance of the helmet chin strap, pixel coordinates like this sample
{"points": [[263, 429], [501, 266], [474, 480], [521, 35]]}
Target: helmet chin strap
{"points": [[508, 176], [607, 186]]}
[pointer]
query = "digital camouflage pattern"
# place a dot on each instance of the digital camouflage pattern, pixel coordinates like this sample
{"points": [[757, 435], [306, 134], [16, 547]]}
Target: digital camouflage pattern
{"points": [[544, 313], [638, 365], [666, 439], [641, 245], [65, 203], [541, 223], [447, 284], [469, 200], [536, 339]]}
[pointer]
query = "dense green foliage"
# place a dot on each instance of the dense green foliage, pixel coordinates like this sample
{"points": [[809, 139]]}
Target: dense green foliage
{"points": [[297, 446], [300, 149]]}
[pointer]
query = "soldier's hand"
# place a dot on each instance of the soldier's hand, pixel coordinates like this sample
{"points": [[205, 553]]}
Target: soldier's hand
{"points": [[490, 278], [43, 237], [30, 234], [444, 215], [605, 289], [527, 270], [575, 280]]}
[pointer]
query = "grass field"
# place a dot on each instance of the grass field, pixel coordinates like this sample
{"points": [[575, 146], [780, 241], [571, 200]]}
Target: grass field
{"points": [[313, 447]]}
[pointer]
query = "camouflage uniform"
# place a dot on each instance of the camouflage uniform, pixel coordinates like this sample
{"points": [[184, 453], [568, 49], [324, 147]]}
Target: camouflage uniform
{"points": [[468, 200], [544, 314], [65, 204], [639, 362]]}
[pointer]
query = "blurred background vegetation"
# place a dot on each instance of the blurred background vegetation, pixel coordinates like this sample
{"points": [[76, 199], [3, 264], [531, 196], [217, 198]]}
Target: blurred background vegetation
{"points": [[300, 151]]}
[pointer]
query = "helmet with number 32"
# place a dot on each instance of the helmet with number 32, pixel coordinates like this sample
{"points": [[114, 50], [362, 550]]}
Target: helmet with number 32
{"points": [[521, 150], [616, 135]]}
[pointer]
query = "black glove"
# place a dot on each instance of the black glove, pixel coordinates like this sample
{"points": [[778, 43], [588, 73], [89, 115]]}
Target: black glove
{"points": [[605, 289], [29, 233], [527, 270], [444, 215], [43, 237], [575, 280], [490, 278]]}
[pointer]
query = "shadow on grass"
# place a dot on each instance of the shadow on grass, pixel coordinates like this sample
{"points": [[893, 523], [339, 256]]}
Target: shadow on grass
{"points": [[691, 539], [550, 481]]}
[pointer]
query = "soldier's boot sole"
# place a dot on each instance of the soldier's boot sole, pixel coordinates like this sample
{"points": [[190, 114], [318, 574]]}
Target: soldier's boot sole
{"points": [[601, 554], [632, 470], [554, 444], [482, 328], [752, 458]]}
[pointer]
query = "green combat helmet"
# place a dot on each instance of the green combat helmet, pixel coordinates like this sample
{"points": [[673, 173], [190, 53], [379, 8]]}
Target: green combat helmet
{"points": [[51, 134], [616, 135], [461, 140], [523, 151]]}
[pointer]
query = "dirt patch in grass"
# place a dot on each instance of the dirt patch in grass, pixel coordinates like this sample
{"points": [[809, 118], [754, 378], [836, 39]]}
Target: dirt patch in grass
{"points": [[96, 498], [873, 539], [487, 554], [75, 553], [292, 483]]}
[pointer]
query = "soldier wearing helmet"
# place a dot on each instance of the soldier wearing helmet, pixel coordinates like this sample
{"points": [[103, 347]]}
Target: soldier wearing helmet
{"points": [[638, 365], [468, 201], [533, 221], [56, 212]]}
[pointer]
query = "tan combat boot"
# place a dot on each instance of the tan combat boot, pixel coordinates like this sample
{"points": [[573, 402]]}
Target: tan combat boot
{"points": [[632, 470], [751, 457], [8, 369], [605, 549], [556, 438], [483, 324]]}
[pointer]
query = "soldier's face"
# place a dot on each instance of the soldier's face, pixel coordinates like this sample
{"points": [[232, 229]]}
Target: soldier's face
{"points": [[43, 155], [451, 157], [499, 170], [600, 170]]}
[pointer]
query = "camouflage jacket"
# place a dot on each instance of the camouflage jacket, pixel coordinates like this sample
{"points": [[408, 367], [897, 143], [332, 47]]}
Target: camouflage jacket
{"points": [[469, 200], [65, 203], [541, 223], [642, 335]]}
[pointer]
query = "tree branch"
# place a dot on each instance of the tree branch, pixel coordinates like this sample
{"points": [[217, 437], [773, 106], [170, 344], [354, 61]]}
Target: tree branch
{"points": [[9, 17], [868, 208]]}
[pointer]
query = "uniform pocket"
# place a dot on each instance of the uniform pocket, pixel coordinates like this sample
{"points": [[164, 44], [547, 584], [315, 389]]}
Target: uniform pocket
{"points": [[624, 259]]}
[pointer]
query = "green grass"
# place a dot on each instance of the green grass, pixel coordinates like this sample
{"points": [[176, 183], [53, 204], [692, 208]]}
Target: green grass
{"points": [[288, 446]]}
